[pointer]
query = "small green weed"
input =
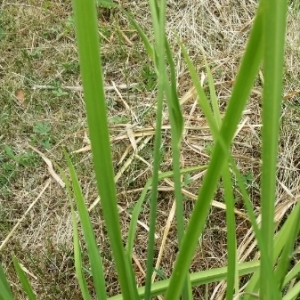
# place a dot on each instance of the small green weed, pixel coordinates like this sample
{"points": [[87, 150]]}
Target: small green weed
{"points": [[187, 180], [161, 273], [118, 120], [23, 159], [106, 4], [248, 179], [41, 135], [10, 163], [70, 68], [57, 90], [149, 77], [208, 148], [70, 22]]}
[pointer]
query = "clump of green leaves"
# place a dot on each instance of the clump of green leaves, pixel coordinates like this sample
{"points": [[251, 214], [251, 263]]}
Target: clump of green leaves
{"points": [[11, 162], [41, 134], [269, 277], [149, 77]]}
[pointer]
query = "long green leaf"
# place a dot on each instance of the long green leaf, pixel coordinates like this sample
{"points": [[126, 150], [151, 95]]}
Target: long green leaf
{"points": [[153, 203], [5, 292], [176, 121], [77, 251], [141, 33], [175, 113], [197, 279], [24, 280], [241, 90], [248, 204], [78, 260], [89, 236], [214, 120], [293, 293], [202, 99], [91, 72], [232, 280], [139, 203], [274, 23], [213, 96], [292, 273], [158, 21], [285, 258], [281, 239], [231, 232]]}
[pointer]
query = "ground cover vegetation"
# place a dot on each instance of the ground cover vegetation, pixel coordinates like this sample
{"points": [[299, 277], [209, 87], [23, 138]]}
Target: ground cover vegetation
{"points": [[44, 116]]}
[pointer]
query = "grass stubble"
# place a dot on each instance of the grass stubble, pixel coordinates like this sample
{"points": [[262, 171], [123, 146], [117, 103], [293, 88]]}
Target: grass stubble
{"points": [[39, 59]]}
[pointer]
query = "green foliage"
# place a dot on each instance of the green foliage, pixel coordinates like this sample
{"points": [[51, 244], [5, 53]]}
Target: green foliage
{"points": [[187, 179], [265, 45], [42, 128], [149, 77], [5, 292], [118, 120], [24, 280], [10, 164], [41, 135], [106, 4], [57, 90], [71, 67]]}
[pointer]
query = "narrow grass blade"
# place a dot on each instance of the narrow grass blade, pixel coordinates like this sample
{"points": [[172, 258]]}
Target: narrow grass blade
{"points": [[285, 258], [176, 121], [232, 280], [158, 22], [153, 203], [292, 273], [214, 121], [78, 260], [142, 35], [77, 251], [175, 113], [93, 251], [231, 233], [197, 279], [5, 292], [241, 90], [213, 96], [248, 204], [202, 99], [274, 23], [91, 72], [134, 218], [293, 293], [279, 242], [141, 200], [24, 280]]}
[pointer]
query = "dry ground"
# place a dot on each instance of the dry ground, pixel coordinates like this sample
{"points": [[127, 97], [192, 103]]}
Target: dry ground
{"points": [[42, 107]]}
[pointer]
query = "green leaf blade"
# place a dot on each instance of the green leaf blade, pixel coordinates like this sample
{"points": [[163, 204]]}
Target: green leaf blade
{"points": [[5, 291], [24, 280], [274, 24], [93, 86], [241, 91], [92, 248]]}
